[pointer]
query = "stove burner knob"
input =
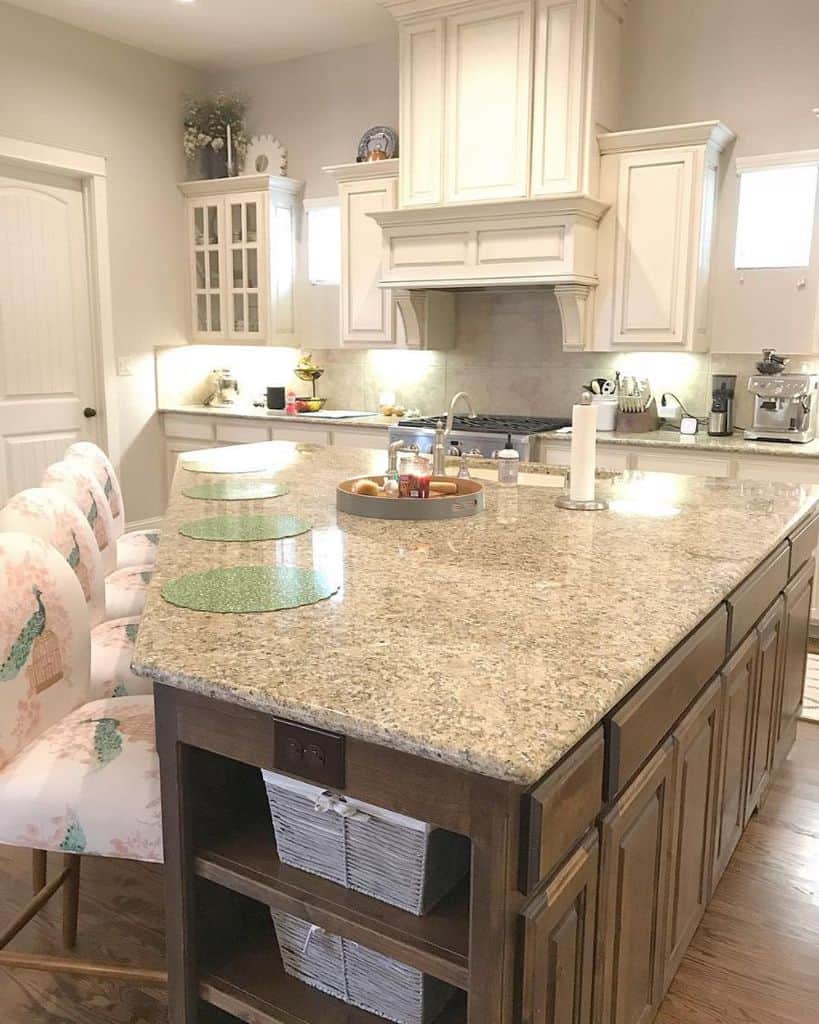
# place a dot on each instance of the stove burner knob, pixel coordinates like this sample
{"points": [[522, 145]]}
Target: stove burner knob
{"points": [[454, 449], [474, 451]]}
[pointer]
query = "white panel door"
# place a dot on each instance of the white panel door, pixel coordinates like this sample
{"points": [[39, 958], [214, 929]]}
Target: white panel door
{"points": [[422, 112], [655, 234], [488, 61], [558, 97], [367, 311], [47, 374]]}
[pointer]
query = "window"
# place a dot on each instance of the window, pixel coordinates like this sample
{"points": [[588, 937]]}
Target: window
{"points": [[777, 199], [323, 241]]}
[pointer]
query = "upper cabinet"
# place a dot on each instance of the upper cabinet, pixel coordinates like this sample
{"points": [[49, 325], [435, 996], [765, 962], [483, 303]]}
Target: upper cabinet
{"points": [[372, 316], [241, 256], [655, 243], [501, 100]]}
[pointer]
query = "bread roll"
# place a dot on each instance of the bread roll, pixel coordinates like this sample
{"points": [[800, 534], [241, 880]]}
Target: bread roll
{"points": [[368, 487], [443, 486]]}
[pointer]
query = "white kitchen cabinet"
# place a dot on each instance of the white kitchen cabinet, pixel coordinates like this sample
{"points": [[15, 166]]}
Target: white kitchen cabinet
{"points": [[487, 97], [557, 110], [314, 433], [655, 242], [502, 99], [241, 256], [373, 316], [608, 456], [367, 311], [691, 464], [359, 437]]}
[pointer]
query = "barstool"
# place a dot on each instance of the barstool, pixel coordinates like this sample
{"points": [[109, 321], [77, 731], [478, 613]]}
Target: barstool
{"points": [[136, 547], [47, 513], [125, 589], [77, 776]]}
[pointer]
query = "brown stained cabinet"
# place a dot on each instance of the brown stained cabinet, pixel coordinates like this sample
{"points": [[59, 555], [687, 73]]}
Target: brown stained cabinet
{"points": [[696, 764], [558, 935], [798, 600], [770, 632], [738, 688], [633, 905]]}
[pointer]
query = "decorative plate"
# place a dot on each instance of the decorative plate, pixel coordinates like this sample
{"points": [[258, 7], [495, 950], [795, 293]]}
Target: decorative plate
{"points": [[265, 155], [378, 139]]}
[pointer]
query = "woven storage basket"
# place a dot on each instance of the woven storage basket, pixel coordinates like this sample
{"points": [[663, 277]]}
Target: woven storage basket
{"points": [[393, 858], [357, 975]]}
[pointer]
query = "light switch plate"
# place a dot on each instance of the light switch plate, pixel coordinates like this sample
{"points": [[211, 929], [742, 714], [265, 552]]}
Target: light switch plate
{"points": [[125, 366]]}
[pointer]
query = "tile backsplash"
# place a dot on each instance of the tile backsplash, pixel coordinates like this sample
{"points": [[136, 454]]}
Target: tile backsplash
{"points": [[507, 354]]}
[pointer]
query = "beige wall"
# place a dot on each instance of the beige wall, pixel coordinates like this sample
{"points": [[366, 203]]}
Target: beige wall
{"points": [[753, 65], [65, 87], [320, 106]]}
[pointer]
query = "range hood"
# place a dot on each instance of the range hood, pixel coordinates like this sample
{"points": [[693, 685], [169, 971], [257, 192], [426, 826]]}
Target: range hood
{"points": [[548, 241], [501, 102]]}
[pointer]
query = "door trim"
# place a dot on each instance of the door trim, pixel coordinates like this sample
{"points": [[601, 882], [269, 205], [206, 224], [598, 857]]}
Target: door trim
{"points": [[91, 172]]}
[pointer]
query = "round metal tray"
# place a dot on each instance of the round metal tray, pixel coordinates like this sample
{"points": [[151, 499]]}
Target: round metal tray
{"points": [[468, 501]]}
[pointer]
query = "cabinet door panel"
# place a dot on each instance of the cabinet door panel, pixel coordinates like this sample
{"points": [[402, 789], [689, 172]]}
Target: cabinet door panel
{"points": [[557, 101], [696, 749], [206, 229], [798, 597], [738, 687], [654, 243], [559, 928], [488, 57], [367, 311], [634, 896], [770, 632], [422, 112]]}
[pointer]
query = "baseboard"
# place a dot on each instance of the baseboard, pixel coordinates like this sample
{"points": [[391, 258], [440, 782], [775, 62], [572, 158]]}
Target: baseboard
{"points": [[144, 524]]}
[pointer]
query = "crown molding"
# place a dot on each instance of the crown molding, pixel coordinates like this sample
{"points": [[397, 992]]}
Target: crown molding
{"points": [[714, 134]]}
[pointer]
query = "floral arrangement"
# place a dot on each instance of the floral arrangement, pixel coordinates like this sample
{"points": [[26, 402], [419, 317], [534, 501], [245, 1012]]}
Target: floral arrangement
{"points": [[206, 125]]}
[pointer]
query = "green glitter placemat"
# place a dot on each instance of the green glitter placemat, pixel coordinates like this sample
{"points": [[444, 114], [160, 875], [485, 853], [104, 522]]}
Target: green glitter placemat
{"points": [[249, 588], [235, 490], [245, 527]]}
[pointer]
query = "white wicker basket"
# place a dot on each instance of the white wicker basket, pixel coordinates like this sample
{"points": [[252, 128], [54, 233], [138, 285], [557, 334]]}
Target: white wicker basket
{"points": [[357, 975], [389, 856]]}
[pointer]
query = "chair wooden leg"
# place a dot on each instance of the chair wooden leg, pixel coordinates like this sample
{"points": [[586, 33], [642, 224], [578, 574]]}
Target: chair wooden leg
{"points": [[39, 870], [71, 899]]}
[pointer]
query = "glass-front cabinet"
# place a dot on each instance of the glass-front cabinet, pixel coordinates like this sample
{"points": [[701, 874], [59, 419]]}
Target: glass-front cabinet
{"points": [[241, 250]]}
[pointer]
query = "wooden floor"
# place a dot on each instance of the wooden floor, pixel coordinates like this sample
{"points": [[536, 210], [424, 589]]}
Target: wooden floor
{"points": [[754, 960]]}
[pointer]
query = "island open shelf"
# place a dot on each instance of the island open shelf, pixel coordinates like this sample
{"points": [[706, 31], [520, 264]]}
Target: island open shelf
{"points": [[241, 970], [245, 861]]}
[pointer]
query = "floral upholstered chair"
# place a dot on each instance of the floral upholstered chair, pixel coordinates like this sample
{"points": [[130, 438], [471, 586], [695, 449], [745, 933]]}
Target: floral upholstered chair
{"points": [[136, 547], [47, 513], [77, 775], [125, 589]]}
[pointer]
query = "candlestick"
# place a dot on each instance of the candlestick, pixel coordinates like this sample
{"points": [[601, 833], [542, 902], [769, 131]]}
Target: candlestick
{"points": [[229, 153]]}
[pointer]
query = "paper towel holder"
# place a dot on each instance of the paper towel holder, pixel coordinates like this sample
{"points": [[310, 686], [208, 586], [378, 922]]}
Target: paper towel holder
{"points": [[593, 505]]}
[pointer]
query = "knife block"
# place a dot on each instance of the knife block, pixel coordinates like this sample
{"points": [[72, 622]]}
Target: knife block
{"points": [[638, 422]]}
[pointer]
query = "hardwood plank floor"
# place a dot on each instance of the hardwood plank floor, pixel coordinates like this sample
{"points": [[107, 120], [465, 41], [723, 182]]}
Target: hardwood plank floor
{"points": [[754, 959]]}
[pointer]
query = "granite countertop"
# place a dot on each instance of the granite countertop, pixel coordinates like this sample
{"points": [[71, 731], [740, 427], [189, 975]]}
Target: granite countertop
{"points": [[699, 442], [492, 643], [245, 412]]}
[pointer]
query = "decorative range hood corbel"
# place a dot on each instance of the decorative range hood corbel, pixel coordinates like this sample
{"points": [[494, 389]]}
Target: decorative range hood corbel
{"points": [[549, 241]]}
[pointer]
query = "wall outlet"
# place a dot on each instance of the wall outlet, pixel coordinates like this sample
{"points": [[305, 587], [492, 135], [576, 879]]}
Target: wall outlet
{"points": [[125, 366]]}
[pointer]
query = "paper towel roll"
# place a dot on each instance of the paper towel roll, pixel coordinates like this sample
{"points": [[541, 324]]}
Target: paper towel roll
{"points": [[584, 453]]}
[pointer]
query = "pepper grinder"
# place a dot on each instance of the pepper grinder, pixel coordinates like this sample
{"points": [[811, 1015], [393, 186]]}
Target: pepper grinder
{"points": [[439, 451]]}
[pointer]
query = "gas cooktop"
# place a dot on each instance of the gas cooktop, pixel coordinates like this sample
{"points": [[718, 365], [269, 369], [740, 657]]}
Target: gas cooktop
{"points": [[493, 424]]}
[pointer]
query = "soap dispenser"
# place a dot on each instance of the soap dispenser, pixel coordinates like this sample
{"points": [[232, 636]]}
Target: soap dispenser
{"points": [[508, 463]]}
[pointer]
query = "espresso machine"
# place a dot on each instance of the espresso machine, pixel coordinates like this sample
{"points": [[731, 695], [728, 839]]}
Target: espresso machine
{"points": [[721, 416], [785, 407]]}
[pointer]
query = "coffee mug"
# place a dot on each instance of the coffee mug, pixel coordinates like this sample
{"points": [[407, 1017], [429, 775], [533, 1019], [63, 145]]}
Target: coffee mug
{"points": [[275, 398]]}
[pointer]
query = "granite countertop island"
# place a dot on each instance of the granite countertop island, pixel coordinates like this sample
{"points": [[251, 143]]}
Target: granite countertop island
{"points": [[492, 643]]}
